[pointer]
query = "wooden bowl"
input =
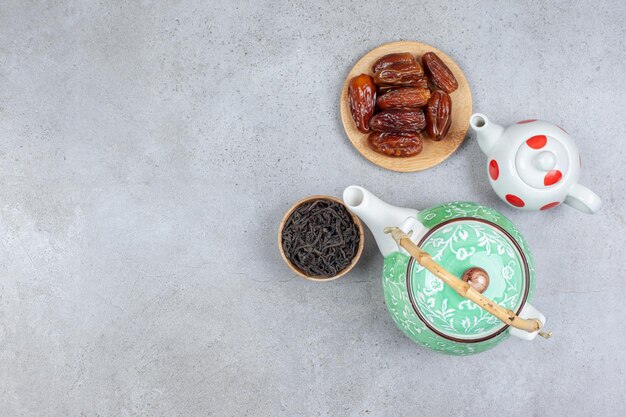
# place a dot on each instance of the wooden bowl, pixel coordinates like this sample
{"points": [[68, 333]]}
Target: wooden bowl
{"points": [[433, 152], [356, 220]]}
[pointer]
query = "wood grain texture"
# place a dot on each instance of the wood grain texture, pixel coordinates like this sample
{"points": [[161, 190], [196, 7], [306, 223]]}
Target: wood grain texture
{"points": [[434, 152]]}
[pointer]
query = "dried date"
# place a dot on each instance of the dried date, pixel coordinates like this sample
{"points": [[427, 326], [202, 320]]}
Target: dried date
{"points": [[401, 73], [387, 60], [361, 99], [382, 89], [397, 144], [438, 115], [404, 98], [439, 73], [395, 120]]}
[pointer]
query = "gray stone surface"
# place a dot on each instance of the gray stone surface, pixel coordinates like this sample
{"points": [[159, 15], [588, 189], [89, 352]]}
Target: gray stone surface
{"points": [[149, 150]]}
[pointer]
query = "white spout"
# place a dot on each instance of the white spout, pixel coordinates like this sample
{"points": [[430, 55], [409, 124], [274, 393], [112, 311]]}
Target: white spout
{"points": [[377, 215], [487, 133]]}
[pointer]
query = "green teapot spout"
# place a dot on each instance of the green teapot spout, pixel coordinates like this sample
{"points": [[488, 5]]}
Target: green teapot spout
{"points": [[377, 215]]}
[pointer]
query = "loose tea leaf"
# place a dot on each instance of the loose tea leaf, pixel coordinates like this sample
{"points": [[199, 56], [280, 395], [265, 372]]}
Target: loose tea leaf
{"points": [[320, 238]]}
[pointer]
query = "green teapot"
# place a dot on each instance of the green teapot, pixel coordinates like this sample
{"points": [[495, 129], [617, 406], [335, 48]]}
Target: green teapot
{"points": [[457, 278]]}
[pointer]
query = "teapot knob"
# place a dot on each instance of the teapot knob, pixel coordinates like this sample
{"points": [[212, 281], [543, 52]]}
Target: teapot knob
{"points": [[545, 161], [477, 278]]}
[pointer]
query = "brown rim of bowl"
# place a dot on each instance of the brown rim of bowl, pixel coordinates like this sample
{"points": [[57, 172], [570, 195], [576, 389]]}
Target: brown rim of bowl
{"points": [[356, 220]]}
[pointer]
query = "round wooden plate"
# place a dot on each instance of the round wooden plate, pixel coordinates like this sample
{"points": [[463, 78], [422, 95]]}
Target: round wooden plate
{"points": [[433, 152]]}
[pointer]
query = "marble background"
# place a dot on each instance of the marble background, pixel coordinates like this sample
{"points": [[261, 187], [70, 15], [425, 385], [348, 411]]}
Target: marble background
{"points": [[149, 150]]}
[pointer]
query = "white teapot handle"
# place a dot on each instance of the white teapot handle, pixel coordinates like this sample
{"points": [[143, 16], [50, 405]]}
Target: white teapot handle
{"points": [[583, 199], [414, 229], [529, 312]]}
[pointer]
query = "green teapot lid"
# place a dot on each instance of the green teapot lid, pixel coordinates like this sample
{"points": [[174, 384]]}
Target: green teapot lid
{"points": [[459, 245]]}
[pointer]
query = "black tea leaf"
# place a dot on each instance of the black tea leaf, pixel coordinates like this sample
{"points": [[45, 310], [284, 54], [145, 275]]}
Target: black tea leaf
{"points": [[320, 238]]}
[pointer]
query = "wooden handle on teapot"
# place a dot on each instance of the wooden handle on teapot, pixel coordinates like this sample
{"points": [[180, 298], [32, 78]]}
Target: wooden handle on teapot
{"points": [[461, 287]]}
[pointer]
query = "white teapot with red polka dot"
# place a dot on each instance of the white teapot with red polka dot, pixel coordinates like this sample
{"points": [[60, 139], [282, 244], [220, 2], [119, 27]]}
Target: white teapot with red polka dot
{"points": [[533, 165]]}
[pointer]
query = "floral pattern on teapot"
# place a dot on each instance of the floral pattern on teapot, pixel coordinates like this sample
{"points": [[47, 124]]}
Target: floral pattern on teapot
{"points": [[432, 314], [470, 243], [432, 298]]}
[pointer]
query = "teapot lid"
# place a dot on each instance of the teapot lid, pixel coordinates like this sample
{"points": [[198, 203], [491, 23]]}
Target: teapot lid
{"points": [[459, 245], [542, 161]]}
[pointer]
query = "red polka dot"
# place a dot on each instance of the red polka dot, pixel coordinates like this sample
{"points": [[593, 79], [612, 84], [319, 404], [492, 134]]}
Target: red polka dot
{"points": [[494, 171], [537, 142], [526, 121], [552, 177], [549, 206], [515, 200]]}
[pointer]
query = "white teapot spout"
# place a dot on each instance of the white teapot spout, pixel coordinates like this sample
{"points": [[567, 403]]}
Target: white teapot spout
{"points": [[487, 133], [377, 215]]}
